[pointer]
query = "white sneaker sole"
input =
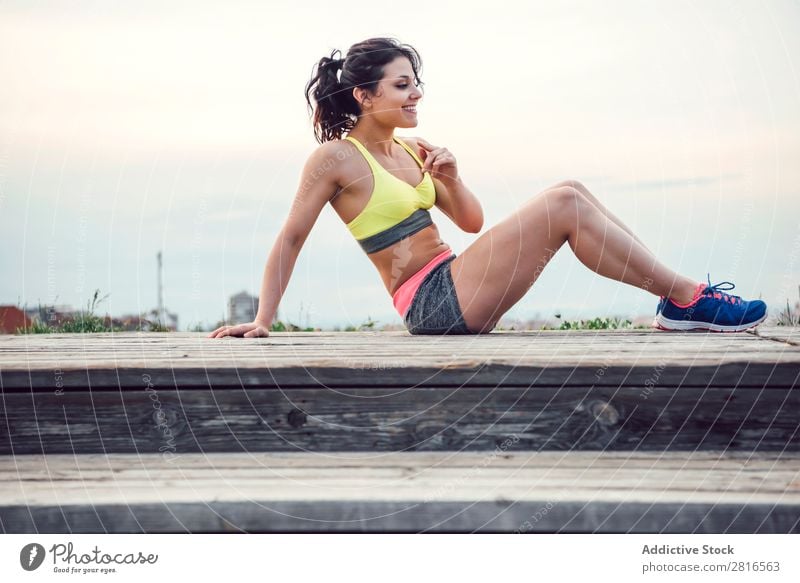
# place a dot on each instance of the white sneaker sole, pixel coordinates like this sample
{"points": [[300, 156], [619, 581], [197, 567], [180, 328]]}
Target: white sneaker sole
{"points": [[683, 325]]}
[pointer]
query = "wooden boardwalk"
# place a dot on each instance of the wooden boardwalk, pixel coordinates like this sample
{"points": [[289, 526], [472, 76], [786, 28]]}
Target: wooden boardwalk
{"points": [[579, 431]]}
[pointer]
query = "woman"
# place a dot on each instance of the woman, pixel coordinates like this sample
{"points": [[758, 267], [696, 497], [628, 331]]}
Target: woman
{"points": [[382, 186]]}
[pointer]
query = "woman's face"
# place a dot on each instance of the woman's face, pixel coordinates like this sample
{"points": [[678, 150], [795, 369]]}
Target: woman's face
{"points": [[397, 96]]}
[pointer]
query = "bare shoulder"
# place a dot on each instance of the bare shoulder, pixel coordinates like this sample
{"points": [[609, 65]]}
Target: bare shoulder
{"points": [[328, 161], [331, 152]]}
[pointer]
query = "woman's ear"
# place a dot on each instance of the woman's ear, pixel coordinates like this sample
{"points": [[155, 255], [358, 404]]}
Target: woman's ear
{"points": [[360, 95]]}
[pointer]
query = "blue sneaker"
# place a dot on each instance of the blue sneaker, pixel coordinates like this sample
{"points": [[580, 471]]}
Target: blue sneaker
{"points": [[711, 309], [661, 301]]}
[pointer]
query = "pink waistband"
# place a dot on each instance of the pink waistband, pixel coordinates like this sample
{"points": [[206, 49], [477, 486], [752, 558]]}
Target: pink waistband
{"points": [[405, 293]]}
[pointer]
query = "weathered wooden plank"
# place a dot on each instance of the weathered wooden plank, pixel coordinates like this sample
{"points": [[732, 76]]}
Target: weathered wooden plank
{"points": [[352, 484], [153, 341], [289, 346], [443, 374], [698, 485], [391, 359], [786, 334], [155, 337], [646, 418], [396, 359], [536, 492], [39, 466], [540, 516], [604, 341]]}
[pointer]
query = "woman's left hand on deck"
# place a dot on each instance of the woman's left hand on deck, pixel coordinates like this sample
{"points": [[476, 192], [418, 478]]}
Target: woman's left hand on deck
{"points": [[250, 330]]}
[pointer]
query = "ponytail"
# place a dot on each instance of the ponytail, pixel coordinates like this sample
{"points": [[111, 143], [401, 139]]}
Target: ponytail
{"points": [[337, 110]]}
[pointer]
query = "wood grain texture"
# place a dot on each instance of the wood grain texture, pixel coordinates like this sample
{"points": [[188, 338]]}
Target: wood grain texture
{"points": [[605, 390], [579, 431], [389, 420], [397, 359], [410, 492]]}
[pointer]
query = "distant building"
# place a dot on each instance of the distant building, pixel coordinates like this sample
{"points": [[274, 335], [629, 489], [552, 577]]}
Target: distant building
{"points": [[242, 308], [11, 318], [51, 315], [171, 319]]}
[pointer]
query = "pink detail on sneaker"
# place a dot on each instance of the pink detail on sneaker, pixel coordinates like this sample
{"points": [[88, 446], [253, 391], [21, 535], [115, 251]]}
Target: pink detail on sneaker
{"points": [[697, 296]]}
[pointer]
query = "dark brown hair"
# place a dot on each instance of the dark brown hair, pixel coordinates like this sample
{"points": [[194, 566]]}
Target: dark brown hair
{"points": [[337, 110]]}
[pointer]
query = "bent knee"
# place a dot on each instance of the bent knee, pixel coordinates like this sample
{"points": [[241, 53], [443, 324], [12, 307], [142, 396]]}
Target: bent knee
{"points": [[566, 204], [561, 204], [565, 198], [571, 183]]}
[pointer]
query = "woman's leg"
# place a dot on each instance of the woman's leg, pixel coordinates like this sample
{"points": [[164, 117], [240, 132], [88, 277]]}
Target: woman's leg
{"points": [[498, 269], [585, 191]]}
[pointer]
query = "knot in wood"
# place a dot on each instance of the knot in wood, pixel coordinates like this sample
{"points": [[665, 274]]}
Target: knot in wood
{"points": [[297, 418], [604, 413], [166, 416]]}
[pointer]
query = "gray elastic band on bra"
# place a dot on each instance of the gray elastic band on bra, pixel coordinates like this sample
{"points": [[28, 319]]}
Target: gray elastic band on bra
{"points": [[416, 221]]}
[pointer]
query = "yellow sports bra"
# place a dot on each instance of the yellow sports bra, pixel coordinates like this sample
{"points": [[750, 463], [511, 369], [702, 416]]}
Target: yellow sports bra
{"points": [[395, 209]]}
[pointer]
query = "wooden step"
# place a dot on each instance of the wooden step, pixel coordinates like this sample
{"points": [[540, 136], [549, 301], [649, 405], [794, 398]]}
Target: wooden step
{"points": [[500, 491], [391, 392], [609, 358]]}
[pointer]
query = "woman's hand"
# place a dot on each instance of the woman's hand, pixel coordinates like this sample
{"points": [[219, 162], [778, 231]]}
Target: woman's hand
{"points": [[438, 161], [255, 329]]}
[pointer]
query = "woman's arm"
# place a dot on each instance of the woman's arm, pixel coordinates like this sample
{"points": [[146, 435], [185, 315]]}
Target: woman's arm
{"points": [[318, 184], [277, 273], [453, 197], [455, 200]]}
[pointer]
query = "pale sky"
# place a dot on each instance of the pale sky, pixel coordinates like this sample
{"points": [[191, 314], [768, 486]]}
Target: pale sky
{"points": [[129, 129]]}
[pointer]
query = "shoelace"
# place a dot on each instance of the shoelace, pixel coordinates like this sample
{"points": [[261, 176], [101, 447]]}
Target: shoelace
{"points": [[716, 291]]}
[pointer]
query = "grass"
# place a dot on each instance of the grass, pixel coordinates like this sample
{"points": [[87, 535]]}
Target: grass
{"points": [[280, 326], [88, 322], [596, 324], [789, 316], [367, 325]]}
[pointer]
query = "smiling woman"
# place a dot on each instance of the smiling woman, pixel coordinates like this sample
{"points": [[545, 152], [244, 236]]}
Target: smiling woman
{"points": [[338, 108], [383, 186]]}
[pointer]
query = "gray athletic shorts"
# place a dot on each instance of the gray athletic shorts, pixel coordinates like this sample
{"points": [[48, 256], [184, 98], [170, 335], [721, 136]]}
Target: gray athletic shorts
{"points": [[435, 309]]}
